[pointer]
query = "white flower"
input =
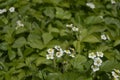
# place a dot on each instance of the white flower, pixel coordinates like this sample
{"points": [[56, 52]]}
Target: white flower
{"points": [[99, 54], [72, 55], [103, 37], [72, 49], [91, 5], [101, 17], [50, 51], [2, 11], [114, 74], [69, 25], [113, 2], [95, 68], [75, 29], [97, 61], [92, 55], [67, 51], [59, 54], [58, 48], [19, 23], [117, 71], [49, 56], [12, 9]]}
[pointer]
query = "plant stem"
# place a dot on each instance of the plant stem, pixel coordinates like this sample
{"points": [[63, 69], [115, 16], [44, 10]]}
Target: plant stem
{"points": [[54, 63]]}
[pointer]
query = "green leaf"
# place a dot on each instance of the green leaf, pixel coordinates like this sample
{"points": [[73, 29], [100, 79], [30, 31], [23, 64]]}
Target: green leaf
{"points": [[70, 76], [103, 47], [117, 42], [63, 33], [38, 1], [114, 21], [20, 30], [89, 78], [52, 1], [19, 42], [64, 4], [53, 76], [59, 24], [21, 75], [84, 33], [1, 53], [61, 14], [78, 46], [78, 61], [109, 65], [97, 28], [109, 55], [91, 39], [47, 37], [19, 52], [40, 60], [49, 11], [5, 20], [53, 29], [35, 41], [93, 20], [87, 65], [7, 76], [4, 46], [29, 60], [20, 65], [2, 78], [9, 38], [4, 65], [28, 51], [11, 54], [117, 56]]}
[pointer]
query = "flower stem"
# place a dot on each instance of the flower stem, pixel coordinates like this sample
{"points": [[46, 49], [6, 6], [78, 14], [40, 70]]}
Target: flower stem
{"points": [[54, 63]]}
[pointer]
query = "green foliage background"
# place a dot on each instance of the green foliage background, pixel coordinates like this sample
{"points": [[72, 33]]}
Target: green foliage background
{"points": [[23, 51]]}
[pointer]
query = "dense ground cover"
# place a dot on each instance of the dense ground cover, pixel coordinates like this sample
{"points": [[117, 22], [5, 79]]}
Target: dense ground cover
{"points": [[59, 40]]}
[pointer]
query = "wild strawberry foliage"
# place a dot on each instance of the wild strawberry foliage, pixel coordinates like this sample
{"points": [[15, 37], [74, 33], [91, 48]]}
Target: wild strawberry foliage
{"points": [[59, 40]]}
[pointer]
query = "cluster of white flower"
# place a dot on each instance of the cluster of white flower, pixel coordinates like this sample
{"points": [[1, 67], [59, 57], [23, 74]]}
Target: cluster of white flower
{"points": [[75, 29], [11, 9], [59, 52], [97, 60], [50, 54], [91, 5], [19, 24], [116, 74]]}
